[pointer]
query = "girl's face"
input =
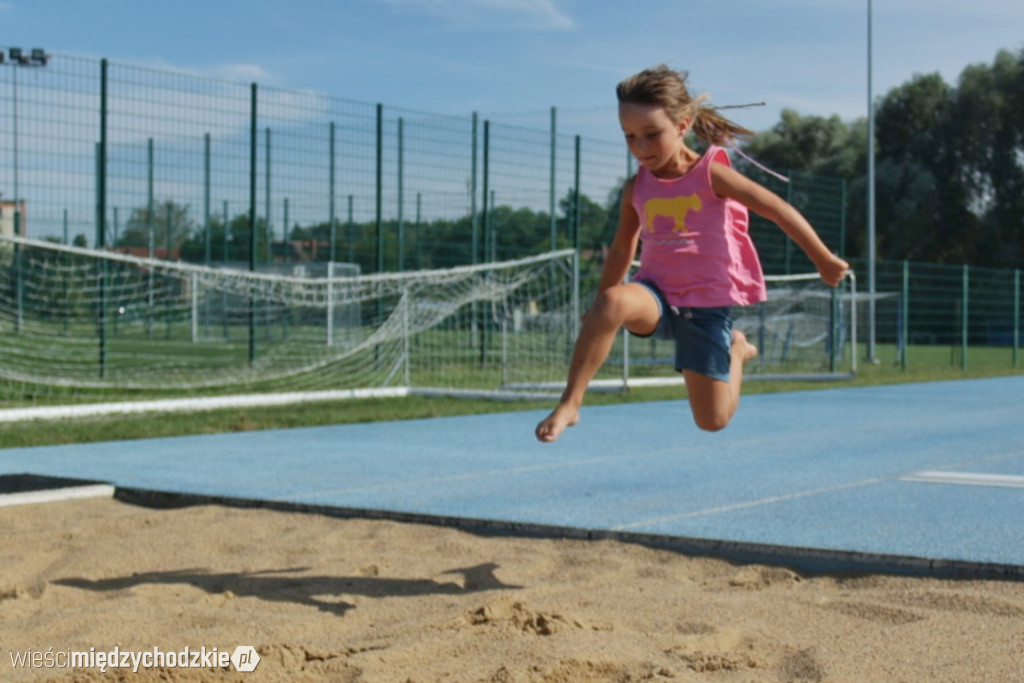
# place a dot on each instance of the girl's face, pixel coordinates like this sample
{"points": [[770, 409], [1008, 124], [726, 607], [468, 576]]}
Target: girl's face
{"points": [[653, 137]]}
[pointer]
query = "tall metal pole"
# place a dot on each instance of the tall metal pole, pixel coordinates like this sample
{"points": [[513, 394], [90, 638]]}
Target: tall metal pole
{"points": [[253, 134], [871, 203]]}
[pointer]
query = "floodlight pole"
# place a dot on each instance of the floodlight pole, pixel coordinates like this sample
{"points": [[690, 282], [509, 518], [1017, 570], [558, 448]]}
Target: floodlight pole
{"points": [[871, 355], [17, 59]]}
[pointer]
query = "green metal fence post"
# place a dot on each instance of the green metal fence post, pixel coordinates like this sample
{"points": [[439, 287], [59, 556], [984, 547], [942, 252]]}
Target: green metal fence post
{"points": [[168, 244], [379, 215], [486, 234], [833, 328], [331, 220], [401, 192], [964, 317], [577, 241], [492, 242], [268, 234], [226, 254], [379, 207], [224, 262], [474, 218], [284, 221], [1016, 317], [101, 214], [788, 244], [19, 275], [206, 199], [842, 218], [418, 236], [150, 236], [485, 209], [551, 184], [905, 313], [253, 136], [113, 244], [576, 198], [64, 278], [350, 232]]}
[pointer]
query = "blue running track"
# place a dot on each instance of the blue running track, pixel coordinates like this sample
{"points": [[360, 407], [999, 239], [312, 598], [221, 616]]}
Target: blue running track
{"points": [[923, 478]]}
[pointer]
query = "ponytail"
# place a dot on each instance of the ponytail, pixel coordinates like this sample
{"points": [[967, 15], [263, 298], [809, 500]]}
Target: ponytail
{"points": [[714, 128]]}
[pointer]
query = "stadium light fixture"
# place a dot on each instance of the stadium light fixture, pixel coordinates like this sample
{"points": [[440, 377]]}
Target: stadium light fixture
{"points": [[18, 57]]}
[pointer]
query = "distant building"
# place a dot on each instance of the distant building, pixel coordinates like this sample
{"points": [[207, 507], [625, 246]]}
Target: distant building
{"points": [[158, 252], [7, 209]]}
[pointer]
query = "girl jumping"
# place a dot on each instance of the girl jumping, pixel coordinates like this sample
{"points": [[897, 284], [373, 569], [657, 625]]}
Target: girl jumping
{"points": [[690, 211]]}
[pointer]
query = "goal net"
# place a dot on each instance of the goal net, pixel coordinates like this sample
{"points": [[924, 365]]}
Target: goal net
{"points": [[805, 330], [90, 324], [98, 324]]}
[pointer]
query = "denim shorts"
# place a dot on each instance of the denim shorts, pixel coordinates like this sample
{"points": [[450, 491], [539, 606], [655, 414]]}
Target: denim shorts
{"points": [[703, 336]]}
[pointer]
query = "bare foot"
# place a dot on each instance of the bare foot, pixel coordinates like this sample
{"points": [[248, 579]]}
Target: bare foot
{"points": [[747, 350], [565, 415]]}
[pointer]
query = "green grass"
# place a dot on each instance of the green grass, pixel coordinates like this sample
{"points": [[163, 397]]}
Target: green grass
{"points": [[928, 364]]}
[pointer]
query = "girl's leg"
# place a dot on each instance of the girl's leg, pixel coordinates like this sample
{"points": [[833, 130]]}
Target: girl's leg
{"points": [[630, 305], [713, 401]]}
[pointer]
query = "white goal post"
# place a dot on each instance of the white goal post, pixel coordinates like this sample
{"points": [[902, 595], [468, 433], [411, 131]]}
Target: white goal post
{"points": [[89, 325]]}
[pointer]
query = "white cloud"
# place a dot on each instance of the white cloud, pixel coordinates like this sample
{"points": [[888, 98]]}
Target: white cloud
{"points": [[241, 72], [534, 15]]}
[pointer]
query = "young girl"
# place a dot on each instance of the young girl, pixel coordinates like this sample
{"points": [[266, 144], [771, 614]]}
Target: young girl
{"points": [[697, 261]]}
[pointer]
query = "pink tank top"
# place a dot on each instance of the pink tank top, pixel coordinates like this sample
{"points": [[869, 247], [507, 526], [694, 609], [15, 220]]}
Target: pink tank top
{"points": [[696, 246]]}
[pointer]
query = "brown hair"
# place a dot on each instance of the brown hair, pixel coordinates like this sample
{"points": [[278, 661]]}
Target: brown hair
{"points": [[666, 88]]}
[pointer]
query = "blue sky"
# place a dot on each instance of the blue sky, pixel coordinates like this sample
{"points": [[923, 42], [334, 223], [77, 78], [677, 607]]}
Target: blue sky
{"points": [[512, 60]]}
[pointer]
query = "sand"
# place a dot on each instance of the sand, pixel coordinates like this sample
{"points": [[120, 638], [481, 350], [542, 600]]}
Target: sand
{"points": [[327, 599]]}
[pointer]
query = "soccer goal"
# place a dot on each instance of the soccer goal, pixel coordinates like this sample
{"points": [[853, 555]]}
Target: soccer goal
{"points": [[92, 324], [99, 324], [805, 330]]}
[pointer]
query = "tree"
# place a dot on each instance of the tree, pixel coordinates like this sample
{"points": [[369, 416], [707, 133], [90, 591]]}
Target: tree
{"points": [[593, 223], [989, 114], [812, 144], [169, 219], [921, 210]]}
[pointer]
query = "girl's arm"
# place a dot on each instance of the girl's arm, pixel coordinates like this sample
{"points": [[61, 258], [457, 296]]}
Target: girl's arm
{"points": [[727, 182], [623, 248]]}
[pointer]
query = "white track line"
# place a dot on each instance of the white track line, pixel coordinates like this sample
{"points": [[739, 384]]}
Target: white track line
{"points": [[967, 479], [747, 504]]}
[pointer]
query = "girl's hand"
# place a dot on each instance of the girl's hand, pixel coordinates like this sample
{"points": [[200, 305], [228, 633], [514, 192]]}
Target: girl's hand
{"points": [[833, 270]]}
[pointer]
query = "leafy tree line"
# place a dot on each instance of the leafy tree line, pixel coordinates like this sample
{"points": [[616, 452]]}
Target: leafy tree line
{"points": [[949, 163], [504, 233]]}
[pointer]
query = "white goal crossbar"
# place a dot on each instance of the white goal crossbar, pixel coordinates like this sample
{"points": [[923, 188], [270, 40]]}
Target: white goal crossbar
{"points": [[100, 326]]}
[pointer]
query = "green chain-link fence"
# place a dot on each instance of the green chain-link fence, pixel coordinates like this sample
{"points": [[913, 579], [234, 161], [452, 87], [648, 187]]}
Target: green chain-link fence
{"points": [[175, 166], [190, 168]]}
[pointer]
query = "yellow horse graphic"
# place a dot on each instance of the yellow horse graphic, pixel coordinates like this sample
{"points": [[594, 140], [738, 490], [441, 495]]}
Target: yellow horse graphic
{"points": [[673, 207]]}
